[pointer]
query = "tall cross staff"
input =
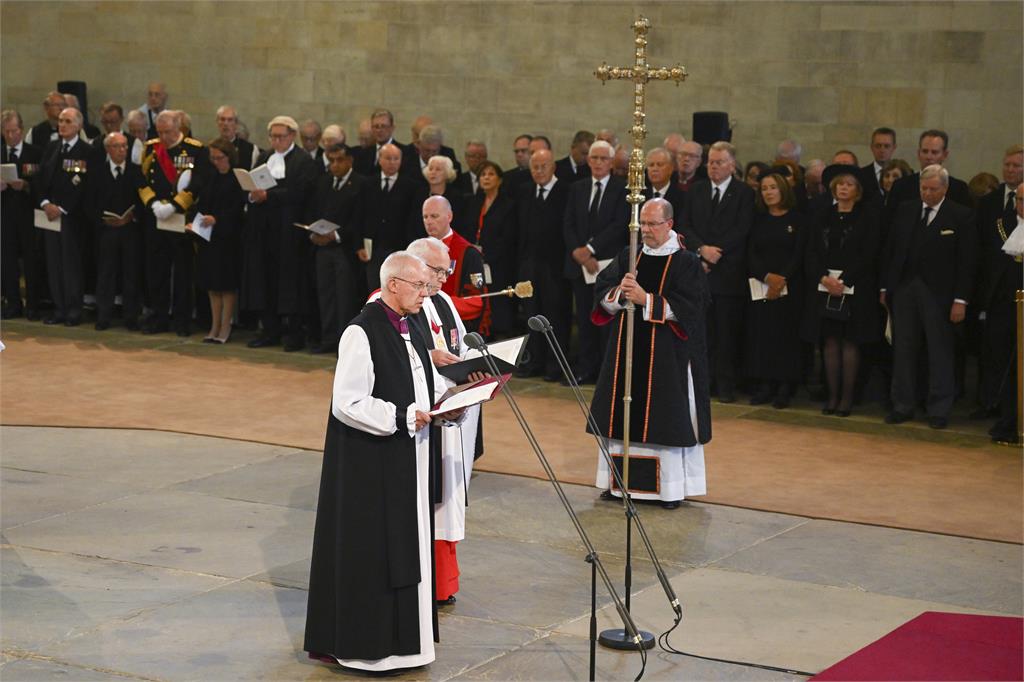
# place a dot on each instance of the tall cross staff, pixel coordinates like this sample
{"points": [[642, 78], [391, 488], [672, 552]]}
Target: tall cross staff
{"points": [[640, 73]]}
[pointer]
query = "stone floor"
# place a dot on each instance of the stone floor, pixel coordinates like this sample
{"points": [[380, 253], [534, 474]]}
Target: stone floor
{"points": [[150, 555]]}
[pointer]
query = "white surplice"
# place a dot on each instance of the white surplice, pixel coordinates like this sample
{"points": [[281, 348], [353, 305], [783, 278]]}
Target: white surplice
{"points": [[354, 405], [458, 443]]}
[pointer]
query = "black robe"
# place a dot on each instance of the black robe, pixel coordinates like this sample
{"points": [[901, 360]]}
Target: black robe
{"points": [[660, 406], [365, 570]]}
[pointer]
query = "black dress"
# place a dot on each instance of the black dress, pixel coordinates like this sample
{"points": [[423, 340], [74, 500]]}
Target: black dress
{"points": [[848, 242], [495, 232], [776, 245], [219, 260]]}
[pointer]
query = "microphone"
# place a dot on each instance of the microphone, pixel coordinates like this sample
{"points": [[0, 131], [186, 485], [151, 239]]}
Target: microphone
{"points": [[475, 341], [538, 323]]}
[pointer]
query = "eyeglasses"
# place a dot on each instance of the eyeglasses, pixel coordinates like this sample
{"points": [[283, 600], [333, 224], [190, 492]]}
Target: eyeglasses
{"points": [[649, 224], [418, 286], [285, 136], [442, 271]]}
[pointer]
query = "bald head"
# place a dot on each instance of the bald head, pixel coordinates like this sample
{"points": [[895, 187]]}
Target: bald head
{"points": [[390, 159], [437, 216], [542, 166]]}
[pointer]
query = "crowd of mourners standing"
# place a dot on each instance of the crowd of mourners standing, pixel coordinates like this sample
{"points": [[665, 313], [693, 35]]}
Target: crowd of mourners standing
{"points": [[887, 273]]}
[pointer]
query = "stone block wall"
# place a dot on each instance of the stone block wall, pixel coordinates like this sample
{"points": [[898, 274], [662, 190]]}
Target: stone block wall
{"points": [[824, 73]]}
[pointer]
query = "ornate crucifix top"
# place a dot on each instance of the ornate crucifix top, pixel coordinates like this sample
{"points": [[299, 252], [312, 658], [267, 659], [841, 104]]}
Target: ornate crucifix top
{"points": [[640, 73]]}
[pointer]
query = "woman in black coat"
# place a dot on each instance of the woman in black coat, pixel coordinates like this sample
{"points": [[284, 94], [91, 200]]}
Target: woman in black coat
{"points": [[841, 254], [439, 175], [490, 223], [775, 251], [219, 260]]}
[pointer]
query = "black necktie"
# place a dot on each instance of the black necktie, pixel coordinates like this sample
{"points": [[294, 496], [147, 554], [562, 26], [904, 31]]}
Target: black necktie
{"points": [[387, 183], [65, 149], [657, 195], [117, 173], [1011, 198], [12, 157], [595, 203], [540, 192], [714, 200], [924, 216], [337, 183]]}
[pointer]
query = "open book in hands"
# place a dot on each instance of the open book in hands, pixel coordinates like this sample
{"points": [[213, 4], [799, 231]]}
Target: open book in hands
{"points": [[466, 395], [258, 178]]}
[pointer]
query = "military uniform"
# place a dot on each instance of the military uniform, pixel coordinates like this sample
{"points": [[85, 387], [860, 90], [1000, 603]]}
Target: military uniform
{"points": [[167, 252]]}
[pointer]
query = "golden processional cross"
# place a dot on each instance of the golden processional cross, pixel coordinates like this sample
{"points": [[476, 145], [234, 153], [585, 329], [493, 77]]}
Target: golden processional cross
{"points": [[640, 73]]}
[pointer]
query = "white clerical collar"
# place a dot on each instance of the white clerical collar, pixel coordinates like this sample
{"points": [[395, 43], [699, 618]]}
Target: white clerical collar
{"points": [[670, 246], [722, 187]]}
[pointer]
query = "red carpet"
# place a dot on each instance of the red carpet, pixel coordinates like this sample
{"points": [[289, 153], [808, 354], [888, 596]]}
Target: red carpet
{"points": [[940, 646]]}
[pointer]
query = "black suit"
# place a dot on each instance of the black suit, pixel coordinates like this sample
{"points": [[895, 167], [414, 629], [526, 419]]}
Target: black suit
{"points": [[672, 195], [388, 221], [999, 277], [930, 266], [464, 185], [605, 234], [245, 152], [726, 227], [565, 172], [22, 248], [869, 181], [496, 237], [337, 264], [63, 182], [542, 262], [117, 246]]}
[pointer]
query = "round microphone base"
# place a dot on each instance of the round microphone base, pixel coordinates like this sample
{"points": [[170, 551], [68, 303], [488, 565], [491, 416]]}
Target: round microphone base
{"points": [[619, 639]]}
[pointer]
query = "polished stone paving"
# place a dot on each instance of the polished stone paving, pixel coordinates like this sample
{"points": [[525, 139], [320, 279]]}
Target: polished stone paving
{"points": [[148, 555]]}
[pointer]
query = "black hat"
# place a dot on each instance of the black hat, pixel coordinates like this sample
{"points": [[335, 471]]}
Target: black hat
{"points": [[837, 169]]}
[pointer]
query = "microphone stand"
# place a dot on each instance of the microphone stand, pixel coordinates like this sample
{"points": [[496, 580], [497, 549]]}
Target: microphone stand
{"points": [[539, 323], [475, 341]]}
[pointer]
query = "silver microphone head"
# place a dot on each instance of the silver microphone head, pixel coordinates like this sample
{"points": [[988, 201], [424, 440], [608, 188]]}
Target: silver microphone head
{"points": [[539, 323], [475, 341]]}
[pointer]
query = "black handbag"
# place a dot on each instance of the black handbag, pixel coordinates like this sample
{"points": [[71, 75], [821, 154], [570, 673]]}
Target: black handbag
{"points": [[836, 308]]}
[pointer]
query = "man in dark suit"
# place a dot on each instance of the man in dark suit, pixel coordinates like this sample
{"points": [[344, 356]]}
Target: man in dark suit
{"points": [[389, 210], [520, 173], [338, 196], [999, 276], [172, 166], [575, 166], [932, 148], [366, 160], [113, 190], [21, 244], [278, 255], [883, 146], [927, 284], [689, 165], [310, 133], [717, 217], [424, 150], [45, 132], [467, 183], [64, 174], [227, 129], [659, 176], [541, 211], [596, 218]]}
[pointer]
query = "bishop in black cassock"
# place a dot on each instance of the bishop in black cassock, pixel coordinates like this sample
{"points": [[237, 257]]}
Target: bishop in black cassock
{"points": [[371, 598], [670, 418]]}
